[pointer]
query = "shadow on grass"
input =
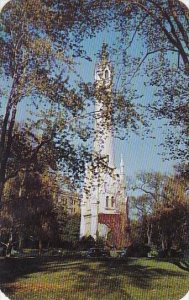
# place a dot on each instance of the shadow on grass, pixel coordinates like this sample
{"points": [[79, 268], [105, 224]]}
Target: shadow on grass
{"points": [[89, 276], [13, 269], [182, 264]]}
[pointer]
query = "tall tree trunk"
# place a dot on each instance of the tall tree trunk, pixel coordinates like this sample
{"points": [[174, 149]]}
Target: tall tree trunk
{"points": [[149, 233], [163, 243], [40, 246], [10, 244], [6, 134], [1, 190], [20, 243]]}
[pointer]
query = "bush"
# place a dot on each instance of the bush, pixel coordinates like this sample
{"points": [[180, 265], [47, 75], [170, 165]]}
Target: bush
{"points": [[172, 253], [100, 242], [163, 254], [153, 252], [86, 242], [138, 250]]}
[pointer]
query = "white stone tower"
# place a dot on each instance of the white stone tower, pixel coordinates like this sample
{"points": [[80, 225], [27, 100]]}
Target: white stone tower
{"points": [[104, 204]]}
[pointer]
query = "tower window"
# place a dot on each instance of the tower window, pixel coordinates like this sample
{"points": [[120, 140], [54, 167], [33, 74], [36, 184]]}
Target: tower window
{"points": [[107, 201], [106, 74], [112, 201]]}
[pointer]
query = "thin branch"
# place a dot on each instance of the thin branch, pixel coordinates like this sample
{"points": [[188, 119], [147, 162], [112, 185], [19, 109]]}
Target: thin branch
{"points": [[135, 32], [158, 21], [146, 191], [155, 195], [146, 55], [172, 37]]}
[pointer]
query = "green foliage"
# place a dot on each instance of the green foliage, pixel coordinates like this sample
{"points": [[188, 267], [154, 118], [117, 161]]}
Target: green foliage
{"points": [[69, 232], [153, 252]]}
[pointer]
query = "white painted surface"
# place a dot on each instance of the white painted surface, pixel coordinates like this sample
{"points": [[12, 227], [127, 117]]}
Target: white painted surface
{"points": [[3, 297], [186, 297], [2, 4], [186, 2], [104, 190]]}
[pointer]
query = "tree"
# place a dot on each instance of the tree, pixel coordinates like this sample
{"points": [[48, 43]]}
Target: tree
{"points": [[37, 38], [42, 217], [182, 173], [29, 208], [69, 226], [18, 204], [173, 210], [32, 192], [150, 186], [170, 26], [164, 201], [161, 30]]}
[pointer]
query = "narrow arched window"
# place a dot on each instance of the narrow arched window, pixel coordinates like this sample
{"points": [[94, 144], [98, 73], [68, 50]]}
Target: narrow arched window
{"points": [[106, 74], [112, 201], [107, 201]]}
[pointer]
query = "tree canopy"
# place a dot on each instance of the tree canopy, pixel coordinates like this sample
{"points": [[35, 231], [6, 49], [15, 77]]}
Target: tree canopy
{"points": [[38, 42], [161, 30]]}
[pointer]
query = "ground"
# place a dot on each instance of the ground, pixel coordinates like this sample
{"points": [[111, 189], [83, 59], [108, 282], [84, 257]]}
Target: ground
{"points": [[90, 279]]}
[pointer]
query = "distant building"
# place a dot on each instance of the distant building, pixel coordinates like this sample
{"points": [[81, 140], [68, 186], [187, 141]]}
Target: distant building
{"points": [[104, 205], [70, 202]]}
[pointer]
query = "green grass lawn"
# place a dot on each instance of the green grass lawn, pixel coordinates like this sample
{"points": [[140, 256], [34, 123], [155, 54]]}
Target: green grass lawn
{"points": [[90, 279]]}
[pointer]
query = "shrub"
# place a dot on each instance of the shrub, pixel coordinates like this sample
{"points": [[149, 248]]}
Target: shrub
{"points": [[138, 250], [86, 242]]}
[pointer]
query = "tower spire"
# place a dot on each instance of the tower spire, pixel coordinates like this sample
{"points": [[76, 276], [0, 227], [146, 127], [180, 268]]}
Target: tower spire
{"points": [[103, 141]]}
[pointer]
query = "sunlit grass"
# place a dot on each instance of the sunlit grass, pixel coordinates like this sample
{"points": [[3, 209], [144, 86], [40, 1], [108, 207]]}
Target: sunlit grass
{"points": [[85, 279]]}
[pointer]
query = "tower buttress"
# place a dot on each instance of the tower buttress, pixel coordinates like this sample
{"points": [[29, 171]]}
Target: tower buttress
{"points": [[122, 171]]}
